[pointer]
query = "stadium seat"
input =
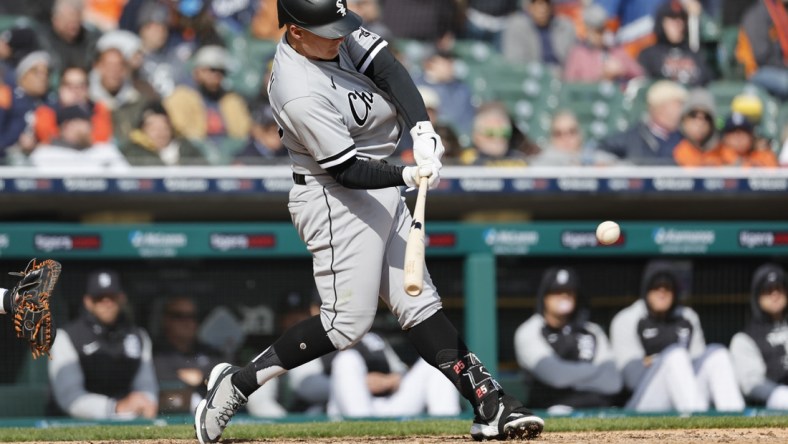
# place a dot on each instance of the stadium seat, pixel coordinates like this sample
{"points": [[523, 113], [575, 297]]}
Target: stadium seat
{"points": [[598, 106]]}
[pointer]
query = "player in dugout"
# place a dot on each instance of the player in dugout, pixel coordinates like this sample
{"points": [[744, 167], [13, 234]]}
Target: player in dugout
{"points": [[342, 101]]}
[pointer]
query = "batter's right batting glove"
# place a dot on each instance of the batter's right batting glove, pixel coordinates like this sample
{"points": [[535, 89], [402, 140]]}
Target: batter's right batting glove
{"points": [[412, 176]]}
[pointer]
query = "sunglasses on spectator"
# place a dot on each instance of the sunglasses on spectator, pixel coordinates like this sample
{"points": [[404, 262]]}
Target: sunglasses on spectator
{"points": [[503, 133], [181, 315], [558, 132]]}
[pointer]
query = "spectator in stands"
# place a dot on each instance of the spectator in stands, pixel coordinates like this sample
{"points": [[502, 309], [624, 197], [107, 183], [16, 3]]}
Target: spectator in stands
{"points": [[72, 90], [101, 364], [651, 142], [369, 10], [18, 105], [431, 21], [537, 35], [451, 142], [492, 139], [370, 380], [40, 10], [130, 45], [154, 142], [192, 24], [661, 351], [763, 46], [233, 16], [593, 59], [760, 351], [634, 20], [265, 23], [566, 146], [164, 65], [438, 73], [485, 20], [74, 147], [110, 84], [567, 359], [784, 144], [697, 129], [264, 146], [15, 44], [671, 56], [66, 39], [738, 146], [103, 14], [181, 360], [209, 111]]}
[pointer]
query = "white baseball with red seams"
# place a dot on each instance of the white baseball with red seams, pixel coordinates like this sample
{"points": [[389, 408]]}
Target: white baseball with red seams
{"points": [[608, 232]]}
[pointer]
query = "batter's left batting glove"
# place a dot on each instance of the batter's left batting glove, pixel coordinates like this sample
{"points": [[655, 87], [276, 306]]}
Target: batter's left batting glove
{"points": [[413, 174]]}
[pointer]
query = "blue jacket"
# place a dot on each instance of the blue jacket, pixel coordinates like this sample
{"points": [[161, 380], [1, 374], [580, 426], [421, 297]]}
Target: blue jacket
{"points": [[15, 118], [641, 146]]}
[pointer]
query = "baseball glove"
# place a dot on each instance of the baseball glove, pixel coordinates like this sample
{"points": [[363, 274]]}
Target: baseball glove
{"points": [[30, 302]]}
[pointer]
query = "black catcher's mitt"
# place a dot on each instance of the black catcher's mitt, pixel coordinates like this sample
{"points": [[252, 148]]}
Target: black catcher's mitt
{"points": [[32, 317]]}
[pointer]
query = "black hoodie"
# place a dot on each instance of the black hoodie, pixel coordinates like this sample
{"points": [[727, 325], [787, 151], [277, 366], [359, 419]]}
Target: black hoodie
{"points": [[666, 60], [769, 335], [657, 333]]}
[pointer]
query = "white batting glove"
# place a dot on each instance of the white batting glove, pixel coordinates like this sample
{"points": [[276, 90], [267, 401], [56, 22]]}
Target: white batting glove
{"points": [[412, 176], [427, 145]]}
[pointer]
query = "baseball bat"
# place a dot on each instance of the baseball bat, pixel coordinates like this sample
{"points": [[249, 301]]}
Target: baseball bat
{"points": [[414, 250]]}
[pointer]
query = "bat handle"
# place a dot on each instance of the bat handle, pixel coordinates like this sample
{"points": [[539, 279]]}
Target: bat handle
{"points": [[414, 250]]}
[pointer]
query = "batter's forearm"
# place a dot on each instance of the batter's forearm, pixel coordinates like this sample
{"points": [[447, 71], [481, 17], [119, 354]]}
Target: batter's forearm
{"points": [[367, 175], [390, 76]]}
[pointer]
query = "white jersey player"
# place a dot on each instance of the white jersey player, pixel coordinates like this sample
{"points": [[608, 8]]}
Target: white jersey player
{"points": [[342, 101], [760, 351], [660, 349]]}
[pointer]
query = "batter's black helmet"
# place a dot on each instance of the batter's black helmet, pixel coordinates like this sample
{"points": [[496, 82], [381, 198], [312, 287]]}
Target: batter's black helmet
{"points": [[327, 18]]}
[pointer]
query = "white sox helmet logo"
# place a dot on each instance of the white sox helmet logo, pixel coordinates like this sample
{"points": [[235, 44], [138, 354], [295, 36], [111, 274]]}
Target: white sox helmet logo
{"points": [[341, 8]]}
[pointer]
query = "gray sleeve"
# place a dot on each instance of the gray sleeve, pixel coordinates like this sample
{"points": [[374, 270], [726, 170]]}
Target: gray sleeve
{"points": [[535, 355], [67, 382], [628, 350], [518, 43], [320, 130], [145, 379], [750, 368]]}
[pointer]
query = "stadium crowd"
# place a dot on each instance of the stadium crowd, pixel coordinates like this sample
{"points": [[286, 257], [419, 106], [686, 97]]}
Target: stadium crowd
{"points": [[118, 83]]}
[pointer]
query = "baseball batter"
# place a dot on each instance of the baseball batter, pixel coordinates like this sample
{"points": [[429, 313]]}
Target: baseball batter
{"points": [[342, 101]]}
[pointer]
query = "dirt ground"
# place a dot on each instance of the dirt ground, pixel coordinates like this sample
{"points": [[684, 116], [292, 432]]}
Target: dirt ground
{"points": [[691, 436]]}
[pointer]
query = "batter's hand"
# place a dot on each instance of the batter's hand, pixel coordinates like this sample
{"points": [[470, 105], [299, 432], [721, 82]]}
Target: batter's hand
{"points": [[427, 145], [412, 175]]}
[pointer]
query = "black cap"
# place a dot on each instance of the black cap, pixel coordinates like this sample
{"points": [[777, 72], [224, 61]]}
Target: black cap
{"points": [[22, 42], [662, 280], [72, 112], [737, 121], [330, 19], [773, 280], [103, 282], [564, 280]]}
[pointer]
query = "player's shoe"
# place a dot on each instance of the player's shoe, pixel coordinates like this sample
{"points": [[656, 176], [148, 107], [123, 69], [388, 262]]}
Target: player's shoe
{"points": [[513, 421], [222, 402]]}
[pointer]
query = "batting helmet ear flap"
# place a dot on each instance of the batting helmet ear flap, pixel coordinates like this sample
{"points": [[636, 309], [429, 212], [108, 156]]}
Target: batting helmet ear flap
{"points": [[329, 19]]}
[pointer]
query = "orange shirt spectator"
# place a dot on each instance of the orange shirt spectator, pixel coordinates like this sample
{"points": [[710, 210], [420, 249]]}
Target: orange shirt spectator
{"points": [[103, 14], [738, 147], [73, 90]]}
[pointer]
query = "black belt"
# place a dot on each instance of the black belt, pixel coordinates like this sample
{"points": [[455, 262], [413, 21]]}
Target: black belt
{"points": [[299, 179]]}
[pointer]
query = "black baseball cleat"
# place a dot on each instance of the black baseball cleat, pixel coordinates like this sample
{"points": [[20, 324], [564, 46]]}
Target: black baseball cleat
{"points": [[222, 402], [512, 421]]}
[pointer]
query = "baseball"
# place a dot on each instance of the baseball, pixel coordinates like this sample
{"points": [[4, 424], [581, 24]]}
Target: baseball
{"points": [[607, 232]]}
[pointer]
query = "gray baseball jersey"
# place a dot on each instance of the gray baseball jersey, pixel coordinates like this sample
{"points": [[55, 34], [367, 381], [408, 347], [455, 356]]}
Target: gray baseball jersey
{"points": [[328, 112]]}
